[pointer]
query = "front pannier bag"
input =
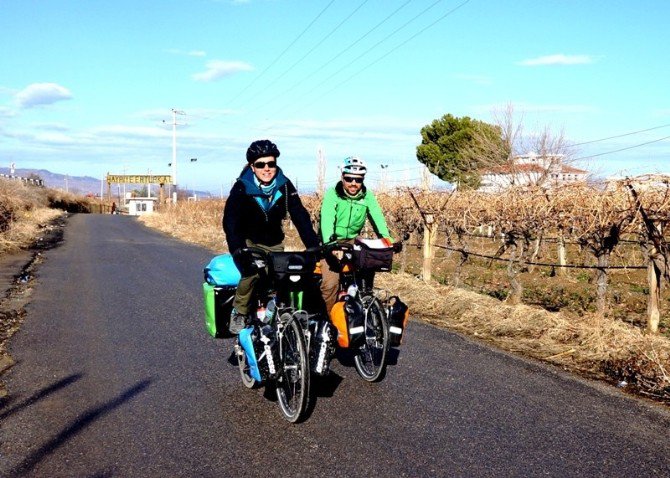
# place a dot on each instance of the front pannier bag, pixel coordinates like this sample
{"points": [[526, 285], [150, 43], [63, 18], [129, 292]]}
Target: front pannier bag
{"points": [[221, 279], [348, 317], [398, 315]]}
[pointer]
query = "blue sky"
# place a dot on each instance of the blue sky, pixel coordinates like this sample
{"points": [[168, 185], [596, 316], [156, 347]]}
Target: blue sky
{"points": [[88, 87]]}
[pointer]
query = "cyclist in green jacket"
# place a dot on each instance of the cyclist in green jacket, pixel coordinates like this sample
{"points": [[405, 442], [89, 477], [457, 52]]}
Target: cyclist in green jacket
{"points": [[344, 209]]}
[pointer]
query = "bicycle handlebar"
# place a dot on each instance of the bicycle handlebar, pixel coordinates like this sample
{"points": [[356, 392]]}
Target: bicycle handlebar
{"points": [[347, 245]]}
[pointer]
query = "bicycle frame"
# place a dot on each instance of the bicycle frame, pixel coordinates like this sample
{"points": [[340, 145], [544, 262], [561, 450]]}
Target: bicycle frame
{"points": [[280, 275]]}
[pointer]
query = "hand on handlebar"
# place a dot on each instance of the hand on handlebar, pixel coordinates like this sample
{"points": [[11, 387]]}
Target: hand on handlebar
{"points": [[337, 254]]}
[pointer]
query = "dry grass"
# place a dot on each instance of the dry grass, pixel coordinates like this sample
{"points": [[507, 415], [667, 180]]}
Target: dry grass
{"points": [[25, 211], [588, 344], [591, 344], [194, 222]]}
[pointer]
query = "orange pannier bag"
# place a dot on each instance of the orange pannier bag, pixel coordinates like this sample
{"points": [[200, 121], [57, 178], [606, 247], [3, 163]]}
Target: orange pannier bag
{"points": [[339, 320], [348, 317]]}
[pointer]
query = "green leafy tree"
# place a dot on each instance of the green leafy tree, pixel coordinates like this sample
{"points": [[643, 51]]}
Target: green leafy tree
{"points": [[456, 149]]}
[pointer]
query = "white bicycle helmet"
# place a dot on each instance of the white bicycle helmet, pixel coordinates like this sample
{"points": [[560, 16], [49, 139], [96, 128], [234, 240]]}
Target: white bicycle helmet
{"points": [[354, 165]]}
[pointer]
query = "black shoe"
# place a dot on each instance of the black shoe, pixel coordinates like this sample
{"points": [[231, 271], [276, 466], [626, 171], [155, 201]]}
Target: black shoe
{"points": [[237, 323]]}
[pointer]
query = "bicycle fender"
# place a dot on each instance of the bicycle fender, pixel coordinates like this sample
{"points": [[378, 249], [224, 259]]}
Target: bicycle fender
{"points": [[248, 346]]}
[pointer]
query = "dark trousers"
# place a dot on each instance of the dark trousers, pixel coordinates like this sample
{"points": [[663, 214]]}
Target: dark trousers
{"points": [[246, 287]]}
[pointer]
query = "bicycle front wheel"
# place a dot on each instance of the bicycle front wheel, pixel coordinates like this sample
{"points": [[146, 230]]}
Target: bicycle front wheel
{"points": [[370, 358], [293, 379], [247, 379]]}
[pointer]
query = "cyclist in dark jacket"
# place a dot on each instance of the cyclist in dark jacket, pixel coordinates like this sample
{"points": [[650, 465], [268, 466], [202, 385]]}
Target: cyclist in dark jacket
{"points": [[258, 202]]}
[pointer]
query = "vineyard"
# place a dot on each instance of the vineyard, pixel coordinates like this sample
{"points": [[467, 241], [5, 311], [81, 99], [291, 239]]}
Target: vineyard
{"points": [[572, 275], [580, 248]]}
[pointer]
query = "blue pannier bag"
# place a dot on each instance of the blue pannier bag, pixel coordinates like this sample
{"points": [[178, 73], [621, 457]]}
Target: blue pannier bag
{"points": [[221, 279], [222, 271]]}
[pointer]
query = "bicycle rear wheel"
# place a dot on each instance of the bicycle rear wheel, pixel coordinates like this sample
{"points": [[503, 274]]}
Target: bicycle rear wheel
{"points": [[370, 358], [293, 379]]}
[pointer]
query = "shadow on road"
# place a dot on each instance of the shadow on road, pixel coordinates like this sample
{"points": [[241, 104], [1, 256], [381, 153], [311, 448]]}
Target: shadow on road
{"points": [[45, 392], [75, 427]]}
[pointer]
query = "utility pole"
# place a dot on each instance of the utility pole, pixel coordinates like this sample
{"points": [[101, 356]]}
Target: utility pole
{"points": [[125, 169], [321, 172], [174, 153], [382, 181], [425, 179]]}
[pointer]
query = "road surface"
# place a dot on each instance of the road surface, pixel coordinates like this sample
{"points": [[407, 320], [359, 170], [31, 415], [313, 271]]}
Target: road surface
{"points": [[116, 377]]}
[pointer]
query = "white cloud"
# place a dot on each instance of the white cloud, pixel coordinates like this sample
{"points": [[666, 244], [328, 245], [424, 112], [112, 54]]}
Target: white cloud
{"points": [[6, 112], [217, 69], [39, 94], [558, 59]]}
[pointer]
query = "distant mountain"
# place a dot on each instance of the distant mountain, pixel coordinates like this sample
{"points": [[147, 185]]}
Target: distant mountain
{"points": [[78, 184], [73, 184]]}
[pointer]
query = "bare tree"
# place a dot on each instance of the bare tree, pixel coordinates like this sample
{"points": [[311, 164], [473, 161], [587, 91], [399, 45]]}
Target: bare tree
{"points": [[525, 158]]}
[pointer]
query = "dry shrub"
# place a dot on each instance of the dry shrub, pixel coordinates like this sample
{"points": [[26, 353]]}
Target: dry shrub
{"points": [[27, 229], [24, 212], [67, 201], [15, 197], [195, 222], [591, 345]]}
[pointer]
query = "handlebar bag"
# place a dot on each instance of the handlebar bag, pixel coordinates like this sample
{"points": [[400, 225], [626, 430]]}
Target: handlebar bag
{"points": [[292, 263], [373, 255]]}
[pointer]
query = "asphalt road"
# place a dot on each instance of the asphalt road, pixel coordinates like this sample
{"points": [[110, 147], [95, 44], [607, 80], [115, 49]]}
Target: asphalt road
{"points": [[116, 376]]}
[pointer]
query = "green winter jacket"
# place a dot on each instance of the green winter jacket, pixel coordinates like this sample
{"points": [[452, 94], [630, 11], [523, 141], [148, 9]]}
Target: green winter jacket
{"points": [[343, 217]]}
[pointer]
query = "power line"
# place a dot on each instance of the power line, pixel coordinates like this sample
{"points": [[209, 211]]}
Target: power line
{"points": [[398, 46], [331, 60], [374, 46], [282, 53], [621, 135], [623, 149], [383, 56], [328, 35]]}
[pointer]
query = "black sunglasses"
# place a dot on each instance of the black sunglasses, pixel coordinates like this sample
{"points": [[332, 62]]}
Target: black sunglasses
{"points": [[269, 164], [349, 179]]}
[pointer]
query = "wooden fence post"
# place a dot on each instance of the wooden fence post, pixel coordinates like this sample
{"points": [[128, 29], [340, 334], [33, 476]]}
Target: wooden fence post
{"points": [[561, 255], [653, 304], [428, 238]]}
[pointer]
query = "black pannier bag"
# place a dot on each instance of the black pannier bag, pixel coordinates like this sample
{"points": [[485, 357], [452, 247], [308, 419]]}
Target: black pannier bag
{"points": [[398, 314], [373, 255], [355, 317]]}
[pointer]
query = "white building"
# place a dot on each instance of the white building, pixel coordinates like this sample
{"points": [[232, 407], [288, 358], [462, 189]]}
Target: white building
{"points": [[139, 206], [531, 170], [644, 182]]}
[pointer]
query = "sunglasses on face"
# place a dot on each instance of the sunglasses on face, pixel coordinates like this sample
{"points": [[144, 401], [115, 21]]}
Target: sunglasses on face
{"points": [[262, 164], [349, 179]]}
